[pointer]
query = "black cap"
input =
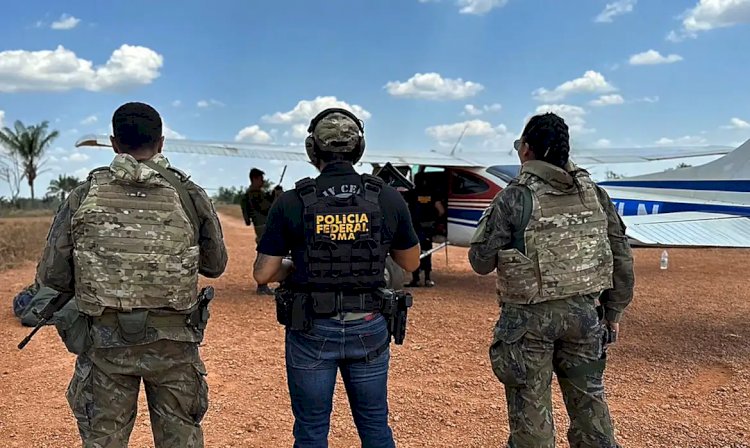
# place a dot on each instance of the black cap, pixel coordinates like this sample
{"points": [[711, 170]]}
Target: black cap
{"points": [[255, 172]]}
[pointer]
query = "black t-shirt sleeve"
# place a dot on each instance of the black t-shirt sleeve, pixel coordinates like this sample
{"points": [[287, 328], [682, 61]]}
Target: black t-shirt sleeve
{"points": [[275, 239], [404, 237]]}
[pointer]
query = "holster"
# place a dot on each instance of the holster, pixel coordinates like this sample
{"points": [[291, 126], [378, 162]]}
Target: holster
{"points": [[395, 307], [293, 310], [74, 329], [199, 318]]}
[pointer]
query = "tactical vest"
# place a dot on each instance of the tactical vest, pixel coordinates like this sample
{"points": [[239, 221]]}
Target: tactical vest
{"points": [[134, 247], [344, 251], [567, 248]]}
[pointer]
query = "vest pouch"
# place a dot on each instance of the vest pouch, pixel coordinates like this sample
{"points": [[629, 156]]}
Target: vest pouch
{"points": [[74, 329], [324, 302], [132, 325], [516, 278]]}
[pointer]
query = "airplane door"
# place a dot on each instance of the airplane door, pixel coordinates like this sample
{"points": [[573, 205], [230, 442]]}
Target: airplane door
{"points": [[469, 195]]}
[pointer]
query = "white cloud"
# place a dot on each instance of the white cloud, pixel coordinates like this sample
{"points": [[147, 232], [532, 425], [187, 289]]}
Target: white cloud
{"points": [[62, 70], [298, 131], [254, 134], [737, 123], [648, 99], [653, 57], [65, 22], [91, 119], [711, 14], [176, 103], [76, 157], [489, 136], [573, 116], [603, 143], [2, 118], [608, 100], [612, 10], [590, 82], [472, 110], [432, 86], [208, 103], [82, 173], [171, 133], [480, 7], [686, 140], [305, 110], [476, 7]]}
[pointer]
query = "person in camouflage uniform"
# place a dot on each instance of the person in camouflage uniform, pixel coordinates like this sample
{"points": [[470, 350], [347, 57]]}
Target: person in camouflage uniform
{"points": [[255, 205], [558, 247], [130, 247]]}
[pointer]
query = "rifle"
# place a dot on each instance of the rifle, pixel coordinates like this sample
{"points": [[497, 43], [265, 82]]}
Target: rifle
{"points": [[46, 314]]}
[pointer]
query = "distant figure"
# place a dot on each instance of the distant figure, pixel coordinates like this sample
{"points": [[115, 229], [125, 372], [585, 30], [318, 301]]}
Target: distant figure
{"points": [[130, 243], [426, 210], [558, 245], [255, 205]]}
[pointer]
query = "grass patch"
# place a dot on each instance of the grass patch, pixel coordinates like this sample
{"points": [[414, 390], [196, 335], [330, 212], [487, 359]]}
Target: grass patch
{"points": [[22, 240], [20, 213]]}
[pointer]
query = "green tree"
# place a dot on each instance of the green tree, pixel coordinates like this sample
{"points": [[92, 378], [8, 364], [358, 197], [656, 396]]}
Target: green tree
{"points": [[63, 185], [29, 144]]}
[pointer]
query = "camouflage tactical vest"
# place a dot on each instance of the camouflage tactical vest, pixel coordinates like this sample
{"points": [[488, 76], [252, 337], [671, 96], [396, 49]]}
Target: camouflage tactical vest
{"points": [[134, 244], [567, 248]]}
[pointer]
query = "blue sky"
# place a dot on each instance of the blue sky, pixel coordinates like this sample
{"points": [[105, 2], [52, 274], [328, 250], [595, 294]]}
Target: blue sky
{"points": [[622, 72]]}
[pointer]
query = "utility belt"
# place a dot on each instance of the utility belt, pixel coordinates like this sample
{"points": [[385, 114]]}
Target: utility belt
{"points": [[75, 327], [296, 310]]}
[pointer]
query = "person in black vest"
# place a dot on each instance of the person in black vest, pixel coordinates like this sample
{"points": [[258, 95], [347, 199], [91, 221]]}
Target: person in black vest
{"points": [[338, 228]]}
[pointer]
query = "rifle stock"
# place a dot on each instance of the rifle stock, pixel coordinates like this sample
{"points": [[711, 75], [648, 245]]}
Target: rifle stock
{"points": [[46, 314]]}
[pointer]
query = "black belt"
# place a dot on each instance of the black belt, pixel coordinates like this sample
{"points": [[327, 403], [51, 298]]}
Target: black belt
{"points": [[364, 302]]}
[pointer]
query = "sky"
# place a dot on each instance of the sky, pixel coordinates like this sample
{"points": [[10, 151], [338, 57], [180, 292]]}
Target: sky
{"points": [[623, 73]]}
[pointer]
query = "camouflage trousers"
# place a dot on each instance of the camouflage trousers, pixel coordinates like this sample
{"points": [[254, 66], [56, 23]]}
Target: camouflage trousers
{"points": [[533, 341], [103, 394]]}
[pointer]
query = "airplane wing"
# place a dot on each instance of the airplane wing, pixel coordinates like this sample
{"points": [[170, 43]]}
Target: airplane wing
{"points": [[583, 156], [689, 229], [290, 153]]}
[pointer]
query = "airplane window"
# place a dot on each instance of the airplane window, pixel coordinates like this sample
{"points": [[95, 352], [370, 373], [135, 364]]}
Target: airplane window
{"points": [[465, 183]]}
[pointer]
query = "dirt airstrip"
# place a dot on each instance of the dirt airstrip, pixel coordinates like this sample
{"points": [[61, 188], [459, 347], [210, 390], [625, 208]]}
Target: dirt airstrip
{"points": [[678, 377]]}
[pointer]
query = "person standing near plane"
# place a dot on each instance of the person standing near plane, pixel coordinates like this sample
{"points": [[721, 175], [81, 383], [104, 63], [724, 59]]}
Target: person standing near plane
{"points": [[129, 244], [255, 205], [558, 246], [346, 224]]}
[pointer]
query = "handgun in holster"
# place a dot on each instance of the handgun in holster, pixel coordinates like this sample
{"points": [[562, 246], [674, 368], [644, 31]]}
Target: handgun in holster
{"points": [[394, 307], [199, 317], [292, 309]]}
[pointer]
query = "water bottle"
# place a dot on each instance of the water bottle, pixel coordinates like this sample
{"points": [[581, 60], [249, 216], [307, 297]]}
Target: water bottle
{"points": [[664, 260]]}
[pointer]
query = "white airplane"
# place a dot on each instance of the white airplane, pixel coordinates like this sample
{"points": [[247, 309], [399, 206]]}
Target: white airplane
{"points": [[703, 206]]}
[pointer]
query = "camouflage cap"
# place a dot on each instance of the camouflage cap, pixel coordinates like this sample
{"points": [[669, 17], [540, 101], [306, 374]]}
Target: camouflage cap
{"points": [[337, 132]]}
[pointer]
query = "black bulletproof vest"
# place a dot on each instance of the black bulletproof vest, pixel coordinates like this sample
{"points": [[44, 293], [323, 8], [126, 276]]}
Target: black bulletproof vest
{"points": [[344, 251]]}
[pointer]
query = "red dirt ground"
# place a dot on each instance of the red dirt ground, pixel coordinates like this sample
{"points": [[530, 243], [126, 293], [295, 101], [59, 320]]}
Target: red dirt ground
{"points": [[678, 377]]}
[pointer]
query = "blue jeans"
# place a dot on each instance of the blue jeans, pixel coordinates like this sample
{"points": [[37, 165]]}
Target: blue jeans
{"points": [[312, 362]]}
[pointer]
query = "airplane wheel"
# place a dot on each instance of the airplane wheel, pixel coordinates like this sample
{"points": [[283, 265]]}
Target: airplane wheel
{"points": [[394, 275]]}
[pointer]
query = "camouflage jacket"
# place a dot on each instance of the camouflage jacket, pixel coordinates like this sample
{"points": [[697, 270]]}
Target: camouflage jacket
{"points": [[255, 205], [506, 220], [56, 268]]}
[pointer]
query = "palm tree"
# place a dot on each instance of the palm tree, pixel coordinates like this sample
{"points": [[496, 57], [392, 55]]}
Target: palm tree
{"points": [[28, 143], [63, 185]]}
